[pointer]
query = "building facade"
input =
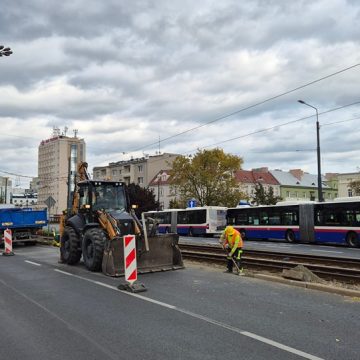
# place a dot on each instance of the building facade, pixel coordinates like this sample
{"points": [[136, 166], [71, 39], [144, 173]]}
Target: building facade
{"points": [[249, 179], [5, 189], [139, 171], [57, 163], [344, 181], [161, 187], [297, 185]]}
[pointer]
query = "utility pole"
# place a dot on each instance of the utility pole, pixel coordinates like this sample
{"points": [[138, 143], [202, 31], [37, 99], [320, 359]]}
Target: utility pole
{"points": [[320, 193]]}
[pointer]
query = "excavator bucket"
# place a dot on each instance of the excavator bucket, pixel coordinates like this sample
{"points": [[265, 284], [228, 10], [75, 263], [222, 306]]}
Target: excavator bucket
{"points": [[164, 254]]}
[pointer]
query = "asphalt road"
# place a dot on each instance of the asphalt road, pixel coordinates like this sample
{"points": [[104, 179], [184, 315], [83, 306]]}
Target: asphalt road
{"points": [[53, 311], [283, 247]]}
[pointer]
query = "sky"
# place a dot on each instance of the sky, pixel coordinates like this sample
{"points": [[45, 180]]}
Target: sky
{"points": [[134, 77]]}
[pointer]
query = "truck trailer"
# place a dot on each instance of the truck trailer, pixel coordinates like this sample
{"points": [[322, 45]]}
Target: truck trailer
{"points": [[23, 222]]}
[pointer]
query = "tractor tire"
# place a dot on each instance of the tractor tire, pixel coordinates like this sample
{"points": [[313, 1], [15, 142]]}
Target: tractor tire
{"points": [[93, 248], [70, 248]]}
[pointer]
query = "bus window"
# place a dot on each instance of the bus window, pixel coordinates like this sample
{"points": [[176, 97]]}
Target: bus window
{"points": [[289, 218], [331, 217], [264, 219], [182, 217], [256, 219], [274, 218], [241, 219]]}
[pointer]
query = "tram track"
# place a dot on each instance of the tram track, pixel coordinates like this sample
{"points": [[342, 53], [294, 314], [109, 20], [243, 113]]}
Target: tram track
{"points": [[327, 268]]}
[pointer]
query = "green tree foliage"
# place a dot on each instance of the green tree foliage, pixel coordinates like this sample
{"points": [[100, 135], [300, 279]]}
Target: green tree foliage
{"points": [[263, 197], [207, 177], [143, 198], [355, 187], [176, 204]]}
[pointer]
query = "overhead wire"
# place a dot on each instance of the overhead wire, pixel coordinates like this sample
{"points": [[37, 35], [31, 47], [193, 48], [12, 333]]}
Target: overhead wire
{"points": [[247, 107]]}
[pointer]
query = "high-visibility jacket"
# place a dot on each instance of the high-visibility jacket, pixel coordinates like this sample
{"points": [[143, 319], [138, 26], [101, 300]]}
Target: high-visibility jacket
{"points": [[234, 241]]}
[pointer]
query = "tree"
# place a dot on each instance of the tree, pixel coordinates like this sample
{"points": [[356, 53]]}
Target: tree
{"points": [[142, 197], [176, 204], [263, 197], [208, 177], [355, 187]]}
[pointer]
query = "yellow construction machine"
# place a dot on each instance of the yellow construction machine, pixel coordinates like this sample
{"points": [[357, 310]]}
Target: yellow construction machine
{"points": [[94, 225]]}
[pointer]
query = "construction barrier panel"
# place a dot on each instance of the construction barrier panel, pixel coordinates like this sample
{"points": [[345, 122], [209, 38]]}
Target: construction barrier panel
{"points": [[8, 243], [130, 258]]}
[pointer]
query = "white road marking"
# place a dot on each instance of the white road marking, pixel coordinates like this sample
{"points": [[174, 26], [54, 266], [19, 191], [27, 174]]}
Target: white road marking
{"points": [[203, 318], [32, 263]]}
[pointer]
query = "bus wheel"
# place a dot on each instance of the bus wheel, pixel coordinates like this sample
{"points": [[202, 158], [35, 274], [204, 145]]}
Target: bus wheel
{"points": [[290, 236], [352, 239], [243, 234]]}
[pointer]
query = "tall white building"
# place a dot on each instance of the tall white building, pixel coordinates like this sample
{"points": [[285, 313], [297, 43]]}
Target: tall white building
{"points": [[55, 157], [5, 189]]}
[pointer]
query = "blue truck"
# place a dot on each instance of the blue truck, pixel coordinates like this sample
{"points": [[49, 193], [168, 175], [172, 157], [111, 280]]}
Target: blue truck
{"points": [[24, 223]]}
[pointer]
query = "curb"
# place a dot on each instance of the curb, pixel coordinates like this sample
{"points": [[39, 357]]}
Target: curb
{"points": [[308, 285]]}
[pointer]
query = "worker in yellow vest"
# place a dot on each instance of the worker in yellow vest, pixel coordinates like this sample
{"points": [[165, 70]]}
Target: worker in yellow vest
{"points": [[233, 243]]}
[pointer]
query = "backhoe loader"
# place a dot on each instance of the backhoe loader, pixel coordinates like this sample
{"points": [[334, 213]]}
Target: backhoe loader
{"points": [[94, 226]]}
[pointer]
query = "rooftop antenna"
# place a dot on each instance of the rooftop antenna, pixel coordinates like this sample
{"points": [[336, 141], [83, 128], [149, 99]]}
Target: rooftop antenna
{"points": [[159, 145], [65, 130], [75, 132], [56, 131]]}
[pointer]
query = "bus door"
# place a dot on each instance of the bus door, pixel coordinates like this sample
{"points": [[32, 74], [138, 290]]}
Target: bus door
{"points": [[306, 222]]}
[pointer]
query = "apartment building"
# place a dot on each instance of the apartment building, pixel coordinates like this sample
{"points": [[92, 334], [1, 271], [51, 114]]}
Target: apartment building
{"points": [[298, 185], [55, 156], [136, 170], [5, 189], [344, 181], [161, 187], [249, 179]]}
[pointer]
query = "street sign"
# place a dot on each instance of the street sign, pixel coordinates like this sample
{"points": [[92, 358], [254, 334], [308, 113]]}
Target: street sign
{"points": [[50, 202], [192, 203]]}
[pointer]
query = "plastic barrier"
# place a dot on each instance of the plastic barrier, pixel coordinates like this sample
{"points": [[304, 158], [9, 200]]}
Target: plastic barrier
{"points": [[130, 266], [8, 243]]}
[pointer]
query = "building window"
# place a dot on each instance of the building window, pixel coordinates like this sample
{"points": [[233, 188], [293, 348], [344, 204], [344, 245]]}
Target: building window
{"points": [[140, 168], [350, 194], [140, 180], [288, 194], [114, 172]]}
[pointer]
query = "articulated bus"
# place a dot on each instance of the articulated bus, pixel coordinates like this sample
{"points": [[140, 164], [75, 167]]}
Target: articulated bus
{"points": [[207, 220], [336, 222]]}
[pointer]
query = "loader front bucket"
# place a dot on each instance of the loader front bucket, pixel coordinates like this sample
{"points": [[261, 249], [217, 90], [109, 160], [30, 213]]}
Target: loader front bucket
{"points": [[164, 254]]}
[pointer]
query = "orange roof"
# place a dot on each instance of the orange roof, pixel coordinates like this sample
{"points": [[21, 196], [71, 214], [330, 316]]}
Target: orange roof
{"points": [[253, 177]]}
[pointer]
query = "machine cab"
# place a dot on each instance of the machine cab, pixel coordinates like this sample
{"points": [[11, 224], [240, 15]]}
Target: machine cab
{"points": [[102, 195]]}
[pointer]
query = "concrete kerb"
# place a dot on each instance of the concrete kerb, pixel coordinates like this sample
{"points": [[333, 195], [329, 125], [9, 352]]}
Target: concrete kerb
{"points": [[308, 285]]}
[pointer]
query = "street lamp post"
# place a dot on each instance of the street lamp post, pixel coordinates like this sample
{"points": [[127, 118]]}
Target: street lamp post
{"points": [[320, 193], [5, 51]]}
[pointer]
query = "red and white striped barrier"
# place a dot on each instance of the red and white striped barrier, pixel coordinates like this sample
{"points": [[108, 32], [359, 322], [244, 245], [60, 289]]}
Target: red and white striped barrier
{"points": [[8, 242], [130, 258], [130, 266]]}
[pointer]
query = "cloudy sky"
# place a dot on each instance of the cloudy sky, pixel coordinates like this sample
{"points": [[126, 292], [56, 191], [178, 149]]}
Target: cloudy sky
{"points": [[194, 74]]}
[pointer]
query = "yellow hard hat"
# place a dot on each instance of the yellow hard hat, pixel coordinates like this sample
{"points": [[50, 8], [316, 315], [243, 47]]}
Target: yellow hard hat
{"points": [[229, 230]]}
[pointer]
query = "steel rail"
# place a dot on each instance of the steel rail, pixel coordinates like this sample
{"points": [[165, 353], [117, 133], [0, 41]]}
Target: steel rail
{"points": [[347, 270]]}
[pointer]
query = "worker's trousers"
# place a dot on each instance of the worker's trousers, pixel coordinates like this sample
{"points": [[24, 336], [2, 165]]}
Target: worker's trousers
{"points": [[237, 257]]}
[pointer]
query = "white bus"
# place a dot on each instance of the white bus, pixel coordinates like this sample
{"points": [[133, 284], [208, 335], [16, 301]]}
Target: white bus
{"points": [[207, 220]]}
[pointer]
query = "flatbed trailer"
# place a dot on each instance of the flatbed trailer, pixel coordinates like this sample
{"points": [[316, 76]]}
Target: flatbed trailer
{"points": [[24, 223]]}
